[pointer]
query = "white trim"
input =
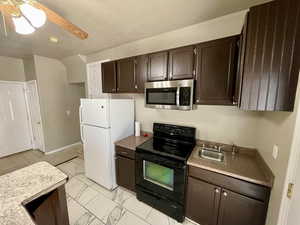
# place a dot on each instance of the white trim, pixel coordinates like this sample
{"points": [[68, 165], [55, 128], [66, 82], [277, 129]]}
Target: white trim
{"points": [[39, 107], [62, 148], [12, 82], [292, 165]]}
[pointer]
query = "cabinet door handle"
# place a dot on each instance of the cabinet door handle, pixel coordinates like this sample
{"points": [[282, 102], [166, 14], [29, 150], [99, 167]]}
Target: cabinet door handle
{"points": [[225, 194], [217, 190], [125, 153]]}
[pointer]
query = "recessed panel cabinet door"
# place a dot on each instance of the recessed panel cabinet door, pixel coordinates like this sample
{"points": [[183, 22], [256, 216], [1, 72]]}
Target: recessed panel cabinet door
{"points": [[216, 71], [141, 73], [202, 202], [158, 66], [181, 63], [236, 209], [125, 172], [271, 69], [125, 75], [109, 77]]}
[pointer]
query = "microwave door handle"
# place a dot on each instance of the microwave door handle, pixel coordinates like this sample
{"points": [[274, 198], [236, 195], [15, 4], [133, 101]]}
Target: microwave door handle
{"points": [[178, 97]]}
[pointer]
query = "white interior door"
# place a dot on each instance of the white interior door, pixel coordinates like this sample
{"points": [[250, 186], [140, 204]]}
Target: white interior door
{"points": [[15, 132], [35, 112], [97, 155]]}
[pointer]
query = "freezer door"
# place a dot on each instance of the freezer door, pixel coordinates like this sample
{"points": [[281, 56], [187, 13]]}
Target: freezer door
{"points": [[95, 112], [98, 156]]}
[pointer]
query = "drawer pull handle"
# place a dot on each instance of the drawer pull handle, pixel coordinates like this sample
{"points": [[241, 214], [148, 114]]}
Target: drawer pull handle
{"points": [[125, 153]]}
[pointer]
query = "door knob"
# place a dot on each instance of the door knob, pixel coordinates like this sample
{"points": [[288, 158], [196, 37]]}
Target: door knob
{"points": [[225, 194], [217, 191]]}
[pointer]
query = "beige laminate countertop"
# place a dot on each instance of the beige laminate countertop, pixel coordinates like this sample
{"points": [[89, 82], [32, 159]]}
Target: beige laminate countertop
{"points": [[23, 186], [246, 165], [132, 142]]}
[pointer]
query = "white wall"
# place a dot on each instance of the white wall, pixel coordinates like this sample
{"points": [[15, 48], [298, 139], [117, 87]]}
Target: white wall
{"points": [[76, 68], [57, 97], [11, 69]]}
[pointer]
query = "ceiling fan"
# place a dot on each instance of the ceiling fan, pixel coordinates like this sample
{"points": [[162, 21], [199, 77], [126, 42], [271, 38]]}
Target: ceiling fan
{"points": [[29, 15]]}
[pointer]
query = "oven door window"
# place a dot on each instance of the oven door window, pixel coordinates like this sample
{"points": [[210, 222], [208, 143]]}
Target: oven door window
{"points": [[159, 175], [161, 96]]}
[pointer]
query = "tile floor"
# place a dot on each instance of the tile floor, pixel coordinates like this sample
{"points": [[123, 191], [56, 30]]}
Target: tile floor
{"points": [[91, 204]]}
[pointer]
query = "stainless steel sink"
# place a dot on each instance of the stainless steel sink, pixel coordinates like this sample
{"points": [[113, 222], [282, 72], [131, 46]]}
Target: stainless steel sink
{"points": [[211, 154]]}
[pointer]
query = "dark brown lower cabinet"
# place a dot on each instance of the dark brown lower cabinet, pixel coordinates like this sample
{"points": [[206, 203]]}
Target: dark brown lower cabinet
{"points": [[125, 172], [50, 209], [212, 204], [202, 202], [236, 209]]}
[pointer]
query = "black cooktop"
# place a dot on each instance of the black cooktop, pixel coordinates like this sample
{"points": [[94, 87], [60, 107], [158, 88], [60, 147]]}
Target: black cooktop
{"points": [[176, 151]]}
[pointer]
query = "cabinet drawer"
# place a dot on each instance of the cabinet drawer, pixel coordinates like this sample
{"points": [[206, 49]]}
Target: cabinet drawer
{"points": [[239, 186], [125, 152]]}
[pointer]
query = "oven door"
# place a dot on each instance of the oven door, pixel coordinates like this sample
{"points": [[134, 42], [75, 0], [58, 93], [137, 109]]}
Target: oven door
{"points": [[161, 176]]}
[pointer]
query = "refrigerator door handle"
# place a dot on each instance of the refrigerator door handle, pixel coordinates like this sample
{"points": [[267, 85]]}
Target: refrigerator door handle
{"points": [[80, 114], [81, 134]]}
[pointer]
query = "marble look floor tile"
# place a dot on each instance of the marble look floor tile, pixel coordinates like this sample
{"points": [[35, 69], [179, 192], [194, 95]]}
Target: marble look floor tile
{"points": [[107, 193], [96, 222], [121, 195], [71, 168], [101, 207], [137, 207], [76, 211], [115, 215], [86, 196], [130, 219], [85, 180], [75, 188]]}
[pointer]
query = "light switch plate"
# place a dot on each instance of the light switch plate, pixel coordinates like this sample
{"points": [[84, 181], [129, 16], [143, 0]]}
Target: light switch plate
{"points": [[275, 151]]}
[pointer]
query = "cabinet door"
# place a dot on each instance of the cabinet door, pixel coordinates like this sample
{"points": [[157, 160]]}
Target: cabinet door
{"points": [[236, 209], [240, 68], [216, 71], [202, 202], [109, 77], [158, 66], [272, 62], [181, 63], [125, 75], [141, 73], [125, 172]]}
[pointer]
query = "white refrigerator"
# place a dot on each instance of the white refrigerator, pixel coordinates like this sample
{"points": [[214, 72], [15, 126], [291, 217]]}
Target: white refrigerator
{"points": [[102, 123]]}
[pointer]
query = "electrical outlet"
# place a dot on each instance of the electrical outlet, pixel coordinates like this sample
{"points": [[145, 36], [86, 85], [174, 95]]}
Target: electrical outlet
{"points": [[275, 151]]}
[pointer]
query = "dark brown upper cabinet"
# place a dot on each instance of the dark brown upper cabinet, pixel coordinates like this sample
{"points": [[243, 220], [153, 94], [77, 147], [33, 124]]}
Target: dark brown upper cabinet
{"points": [[126, 75], [158, 66], [216, 71], [271, 64], [109, 77], [141, 68], [182, 63]]}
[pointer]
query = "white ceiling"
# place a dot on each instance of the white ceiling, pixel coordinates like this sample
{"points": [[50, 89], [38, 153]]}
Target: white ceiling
{"points": [[114, 22]]}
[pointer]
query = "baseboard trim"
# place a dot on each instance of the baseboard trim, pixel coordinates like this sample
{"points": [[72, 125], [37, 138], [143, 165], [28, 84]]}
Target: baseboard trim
{"points": [[62, 148]]}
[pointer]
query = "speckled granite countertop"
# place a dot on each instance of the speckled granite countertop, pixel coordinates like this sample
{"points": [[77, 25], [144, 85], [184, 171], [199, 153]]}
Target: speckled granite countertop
{"points": [[132, 142], [23, 186], [246, 165]]}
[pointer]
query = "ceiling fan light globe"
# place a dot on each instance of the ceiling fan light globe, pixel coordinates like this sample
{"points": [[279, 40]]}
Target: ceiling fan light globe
{"points": [[36, 16], [22, 26]]}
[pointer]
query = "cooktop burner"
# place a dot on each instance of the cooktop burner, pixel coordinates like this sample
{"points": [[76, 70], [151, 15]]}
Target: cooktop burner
{"points": [[171, 141]]}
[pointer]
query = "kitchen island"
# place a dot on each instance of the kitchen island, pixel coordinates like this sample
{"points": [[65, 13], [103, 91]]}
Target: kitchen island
{"points": [[34, 195]]}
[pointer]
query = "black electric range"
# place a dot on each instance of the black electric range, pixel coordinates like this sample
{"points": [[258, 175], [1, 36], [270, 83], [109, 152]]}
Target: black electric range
{"points": [[161, 168]]}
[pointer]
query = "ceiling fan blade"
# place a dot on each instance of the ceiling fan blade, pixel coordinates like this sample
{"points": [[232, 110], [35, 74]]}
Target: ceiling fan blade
{"points": [[9, 9], [60, 21]]}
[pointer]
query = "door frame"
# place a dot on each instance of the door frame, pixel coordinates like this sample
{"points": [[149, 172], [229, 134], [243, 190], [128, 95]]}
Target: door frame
{"points": [[39, 106], [293, 166], [23, 84]]}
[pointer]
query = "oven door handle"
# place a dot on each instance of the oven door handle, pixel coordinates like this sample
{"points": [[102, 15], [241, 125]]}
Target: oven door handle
{"points": [[178, 97]]}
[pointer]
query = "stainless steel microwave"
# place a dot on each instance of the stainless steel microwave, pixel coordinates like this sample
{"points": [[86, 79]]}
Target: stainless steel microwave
{"points": [[170, 94]]}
